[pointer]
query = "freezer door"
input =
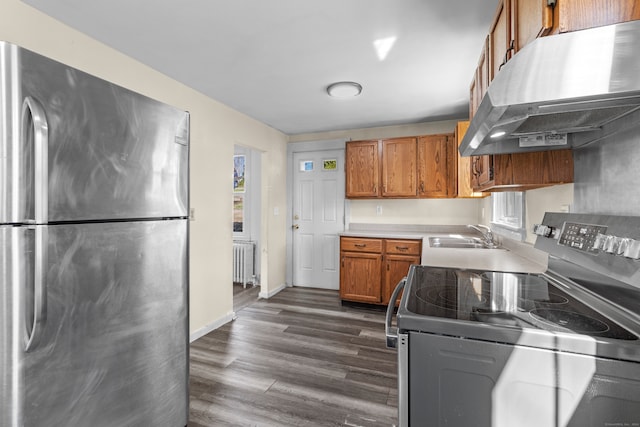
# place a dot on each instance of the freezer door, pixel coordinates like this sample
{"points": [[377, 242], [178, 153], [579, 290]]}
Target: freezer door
{"points": [[98, 151], [114, 344]]}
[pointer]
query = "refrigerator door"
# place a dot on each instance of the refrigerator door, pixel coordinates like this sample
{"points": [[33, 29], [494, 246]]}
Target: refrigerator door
{"points": [[113, 347], [86, 149], [15, 268]]}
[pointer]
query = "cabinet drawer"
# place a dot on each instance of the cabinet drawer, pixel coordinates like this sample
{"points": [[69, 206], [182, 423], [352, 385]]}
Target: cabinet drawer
{"points": [[359, 244], [405, 247]]}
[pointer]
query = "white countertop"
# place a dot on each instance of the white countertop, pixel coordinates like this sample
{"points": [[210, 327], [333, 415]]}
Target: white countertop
{"points": [[513, 256]]}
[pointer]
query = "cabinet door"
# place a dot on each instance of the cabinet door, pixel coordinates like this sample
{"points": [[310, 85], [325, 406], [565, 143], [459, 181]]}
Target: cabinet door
{"points": [[399, 169], [530, 170], [362, 169], [464, 178], [360, 277], [580, 14], [499, 38], [481, 172], [480, 81], [436, 166], [396, 268], [529, 19]]}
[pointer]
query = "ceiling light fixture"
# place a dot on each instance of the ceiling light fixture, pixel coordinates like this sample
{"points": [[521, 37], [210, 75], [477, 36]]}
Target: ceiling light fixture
{"points": [[344, 89]]}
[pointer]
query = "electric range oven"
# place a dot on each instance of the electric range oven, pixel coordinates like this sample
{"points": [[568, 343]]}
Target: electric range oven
{"points": [[562, 348]]}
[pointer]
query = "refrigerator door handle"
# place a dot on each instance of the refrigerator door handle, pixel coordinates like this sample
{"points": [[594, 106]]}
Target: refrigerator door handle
{"points": [[34, 117], [35, 326], [34, 124]]}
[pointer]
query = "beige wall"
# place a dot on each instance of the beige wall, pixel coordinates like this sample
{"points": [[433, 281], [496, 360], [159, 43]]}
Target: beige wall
{"points": [[214, 130]]}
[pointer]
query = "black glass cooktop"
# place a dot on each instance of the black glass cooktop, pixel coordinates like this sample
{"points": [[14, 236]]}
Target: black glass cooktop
{"points": [[511, 299]]}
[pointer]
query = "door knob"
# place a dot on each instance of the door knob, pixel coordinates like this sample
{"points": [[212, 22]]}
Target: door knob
{"points": [[295, 226]]}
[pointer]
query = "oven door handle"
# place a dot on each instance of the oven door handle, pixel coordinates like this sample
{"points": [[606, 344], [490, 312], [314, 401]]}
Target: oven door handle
{"points": [[392, 332]]}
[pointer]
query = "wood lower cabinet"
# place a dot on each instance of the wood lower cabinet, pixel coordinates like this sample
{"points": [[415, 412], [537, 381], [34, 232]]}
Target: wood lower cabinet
{"points": [[399, 256], [370, 268]]}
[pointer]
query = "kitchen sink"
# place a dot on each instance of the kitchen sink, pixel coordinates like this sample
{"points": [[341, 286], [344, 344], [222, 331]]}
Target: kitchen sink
{"points": [[459, 242]]}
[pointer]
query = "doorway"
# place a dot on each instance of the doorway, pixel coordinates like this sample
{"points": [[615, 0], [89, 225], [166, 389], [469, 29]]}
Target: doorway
{"points": [[318, 217], [246, 226]]}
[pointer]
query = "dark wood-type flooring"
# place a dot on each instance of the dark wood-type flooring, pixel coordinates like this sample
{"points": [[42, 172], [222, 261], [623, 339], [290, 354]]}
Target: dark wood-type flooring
{"points": [[299, 358]]}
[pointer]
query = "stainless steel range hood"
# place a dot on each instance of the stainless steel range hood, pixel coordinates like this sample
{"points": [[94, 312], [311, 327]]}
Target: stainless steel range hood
{"points": [[560, 91]]}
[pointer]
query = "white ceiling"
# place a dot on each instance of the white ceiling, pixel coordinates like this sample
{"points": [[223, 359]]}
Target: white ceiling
{"points": [[273, 60]]}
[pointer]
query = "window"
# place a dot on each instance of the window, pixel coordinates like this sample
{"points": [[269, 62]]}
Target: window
{"points": [[508, 212], [239, 193]]}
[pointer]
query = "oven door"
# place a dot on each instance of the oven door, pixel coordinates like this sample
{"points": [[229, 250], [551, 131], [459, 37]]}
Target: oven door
{"points": [[460, 382]]}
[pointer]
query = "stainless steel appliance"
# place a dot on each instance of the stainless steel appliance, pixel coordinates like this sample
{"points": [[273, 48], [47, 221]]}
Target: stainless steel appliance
{"points": [[560, 91], [562, 348], [93, 250]]}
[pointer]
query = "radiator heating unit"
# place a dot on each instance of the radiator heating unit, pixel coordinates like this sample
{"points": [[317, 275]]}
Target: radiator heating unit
{"points": [[243, 262]]}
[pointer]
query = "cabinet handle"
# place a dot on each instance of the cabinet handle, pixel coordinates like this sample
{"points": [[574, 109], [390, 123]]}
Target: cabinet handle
{"points": [[422, 186], [375, 189], [402, 248], [360, 245], [474, 166], [506, 54]]}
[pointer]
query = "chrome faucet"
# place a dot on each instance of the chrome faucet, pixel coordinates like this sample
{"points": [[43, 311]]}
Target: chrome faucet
{"points": [[487, 234]]}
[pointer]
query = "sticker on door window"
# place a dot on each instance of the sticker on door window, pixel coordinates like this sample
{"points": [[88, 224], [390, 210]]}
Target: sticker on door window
{"points": [[329, 165], [306, 166]]}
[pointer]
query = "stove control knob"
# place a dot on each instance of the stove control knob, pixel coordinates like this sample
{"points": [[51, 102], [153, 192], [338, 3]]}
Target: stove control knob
{"points": [[611, 244], [632, 249], [599, 241]]}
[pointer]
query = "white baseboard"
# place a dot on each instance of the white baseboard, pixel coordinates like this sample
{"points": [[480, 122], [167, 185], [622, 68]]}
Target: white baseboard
{"points": [[212, 326], [267, 295]]}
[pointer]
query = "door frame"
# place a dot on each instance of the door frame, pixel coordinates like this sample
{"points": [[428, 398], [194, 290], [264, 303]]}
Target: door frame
{"points": [[300, 147]]}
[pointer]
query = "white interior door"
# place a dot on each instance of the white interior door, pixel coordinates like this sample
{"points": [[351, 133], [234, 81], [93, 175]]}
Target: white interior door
{"points": [[318, 217]]}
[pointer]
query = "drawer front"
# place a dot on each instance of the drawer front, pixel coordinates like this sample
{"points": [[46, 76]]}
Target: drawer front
{"points": [[358, 244], [405, 247]]}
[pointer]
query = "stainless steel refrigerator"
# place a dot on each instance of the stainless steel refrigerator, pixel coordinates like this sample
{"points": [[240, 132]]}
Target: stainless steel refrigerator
{"points": [[93, 250]]}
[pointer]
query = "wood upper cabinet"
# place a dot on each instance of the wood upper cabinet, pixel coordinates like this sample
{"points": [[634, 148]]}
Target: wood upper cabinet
{"points": [[499, 38], [482, 172], [525, 171], [362, 169], [399, 167], [519, 22], [437, 156], [572, 15], [530, 19], [480, 81], [465, 188]]}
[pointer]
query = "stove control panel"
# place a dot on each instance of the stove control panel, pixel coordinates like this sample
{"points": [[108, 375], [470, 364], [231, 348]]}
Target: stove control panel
{"points": [[591, 239], [582, 237]]}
